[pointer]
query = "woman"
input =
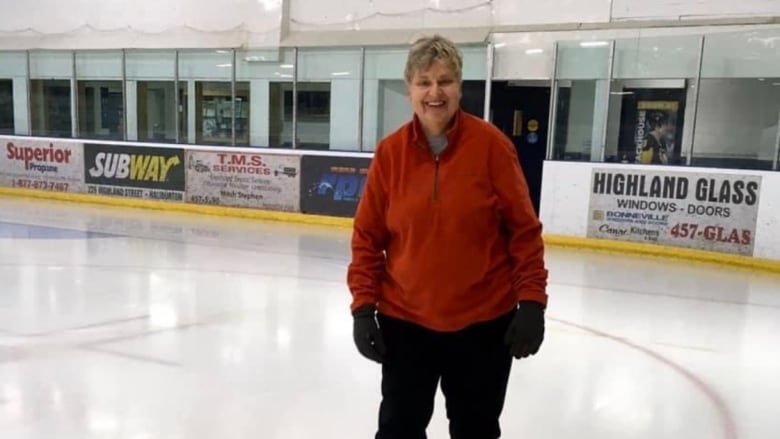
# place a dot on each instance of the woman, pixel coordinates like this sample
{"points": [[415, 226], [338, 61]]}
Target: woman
{"points": [[447, 273]]}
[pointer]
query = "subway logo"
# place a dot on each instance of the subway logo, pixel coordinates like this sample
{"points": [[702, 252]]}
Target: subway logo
{"points": [[139, 167], [134, 166]]}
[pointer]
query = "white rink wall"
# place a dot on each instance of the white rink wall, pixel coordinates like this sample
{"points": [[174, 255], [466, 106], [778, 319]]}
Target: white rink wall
{"points": [[565, 200], [719, 210]]}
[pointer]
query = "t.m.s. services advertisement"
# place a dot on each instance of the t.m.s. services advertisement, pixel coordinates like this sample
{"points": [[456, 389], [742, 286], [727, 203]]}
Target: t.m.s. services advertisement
{"points": [[44, 165], [706, 211], [136, 172], [262, 181]]}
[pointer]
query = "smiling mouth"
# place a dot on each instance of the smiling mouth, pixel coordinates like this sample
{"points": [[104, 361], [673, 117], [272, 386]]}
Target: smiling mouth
{"points": [[435, 104]]}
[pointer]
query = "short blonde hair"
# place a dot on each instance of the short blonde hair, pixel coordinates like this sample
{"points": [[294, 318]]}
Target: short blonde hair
{"points": [[427, 50]]}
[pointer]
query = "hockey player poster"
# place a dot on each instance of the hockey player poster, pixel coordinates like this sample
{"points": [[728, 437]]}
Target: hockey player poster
{"points": [[651, 126]]}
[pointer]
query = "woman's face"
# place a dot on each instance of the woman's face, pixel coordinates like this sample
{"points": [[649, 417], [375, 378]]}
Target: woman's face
{"points": [[435, 97]]}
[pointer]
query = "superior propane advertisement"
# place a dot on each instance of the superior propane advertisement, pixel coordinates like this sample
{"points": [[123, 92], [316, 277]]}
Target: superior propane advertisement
{"points": [[44, 165]]}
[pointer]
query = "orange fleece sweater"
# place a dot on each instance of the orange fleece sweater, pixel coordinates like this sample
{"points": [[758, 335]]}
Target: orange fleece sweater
{"points": [[448, 241]]}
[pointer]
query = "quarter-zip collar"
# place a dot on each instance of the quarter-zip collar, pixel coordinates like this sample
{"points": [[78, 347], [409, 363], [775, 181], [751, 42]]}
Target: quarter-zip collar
{"points": [[453, 133]]}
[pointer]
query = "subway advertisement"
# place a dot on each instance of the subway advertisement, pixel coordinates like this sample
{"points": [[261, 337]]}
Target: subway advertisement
{"points": [[706, 211], [134, 171], [42, 164], [332, 185], [261, 181]]}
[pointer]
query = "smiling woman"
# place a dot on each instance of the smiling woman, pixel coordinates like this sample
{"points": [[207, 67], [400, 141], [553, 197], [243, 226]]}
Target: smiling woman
{"points": [[433, 77], [451, 273]]}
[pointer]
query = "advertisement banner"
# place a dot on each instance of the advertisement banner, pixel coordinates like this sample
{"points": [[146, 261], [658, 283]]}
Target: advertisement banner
{"points": [[262, 181], [45, 165], [705, 211], [134, 171], [332, 185]]}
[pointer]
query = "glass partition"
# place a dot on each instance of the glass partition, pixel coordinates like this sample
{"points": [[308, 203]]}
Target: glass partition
{"points": [[739, 101], [269, 75], [51, 73], [207, 76], [328, 99], [13, 93], [151, 96], [581, 89], [100, 97], [652, 97]]}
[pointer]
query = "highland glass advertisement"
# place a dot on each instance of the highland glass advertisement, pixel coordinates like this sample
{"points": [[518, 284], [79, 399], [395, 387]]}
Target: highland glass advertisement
{"points": [[715, 212]]}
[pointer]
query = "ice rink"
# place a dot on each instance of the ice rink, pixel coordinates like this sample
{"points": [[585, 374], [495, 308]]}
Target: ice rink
{"points": [[138, 324]]}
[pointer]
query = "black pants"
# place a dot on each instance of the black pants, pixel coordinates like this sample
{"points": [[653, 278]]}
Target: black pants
{"points": [[473, 365]]}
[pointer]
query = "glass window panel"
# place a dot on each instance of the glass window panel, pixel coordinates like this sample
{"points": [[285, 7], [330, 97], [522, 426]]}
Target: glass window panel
{"points": [[150, 65], [100, 98], [265, 64], [99, 65], [651, 99], [13, 65], [205, 75], [582, 95], [206, 65], [327, 64], [583, 59], [13, 93], [280, 114], [50, 107], [753, 54], [579, 118], [657, 57], [737, 123], [389, 63], [739, 100], [156, 111], [474, 62], [101, 110], [151, 96], [328, 99], [385, 63], [269, 74], [523, 56], [51, 65], [215, 109]]}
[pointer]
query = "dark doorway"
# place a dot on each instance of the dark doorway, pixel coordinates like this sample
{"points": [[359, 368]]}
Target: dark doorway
{"points": [[473, 99], [6, 106], [521, 111]]}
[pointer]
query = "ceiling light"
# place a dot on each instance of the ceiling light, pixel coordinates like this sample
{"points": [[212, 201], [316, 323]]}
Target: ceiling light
{"points": [[594, 44]]}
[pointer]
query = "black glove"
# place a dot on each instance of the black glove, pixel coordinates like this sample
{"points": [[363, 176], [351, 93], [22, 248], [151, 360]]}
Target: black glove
{"points": [[526, 331], [367, 335]]}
